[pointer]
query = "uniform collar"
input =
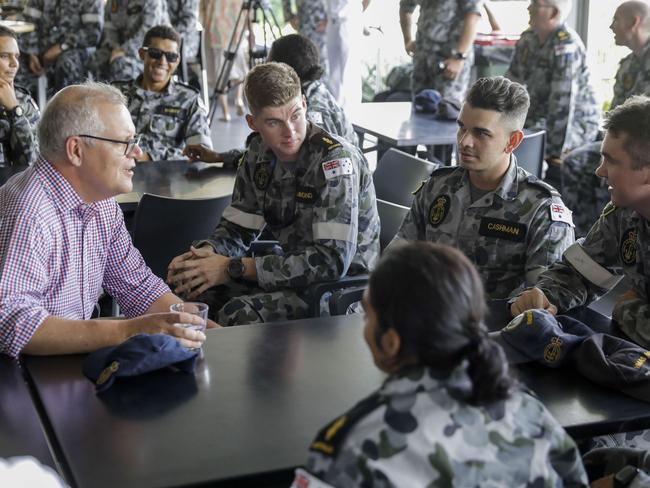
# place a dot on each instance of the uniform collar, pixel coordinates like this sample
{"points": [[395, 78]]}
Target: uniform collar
{"points": [[146, 93], [415, 379], [507, 190]]}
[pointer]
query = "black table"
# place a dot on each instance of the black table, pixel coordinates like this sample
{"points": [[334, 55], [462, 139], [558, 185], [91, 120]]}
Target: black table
{"points": [[259, 397], [21, 433], [177, 179], [395, 124]]}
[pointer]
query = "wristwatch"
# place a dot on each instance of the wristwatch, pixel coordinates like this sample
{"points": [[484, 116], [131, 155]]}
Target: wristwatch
{"points": [[235, 269], [456, 54], [64, 46]]}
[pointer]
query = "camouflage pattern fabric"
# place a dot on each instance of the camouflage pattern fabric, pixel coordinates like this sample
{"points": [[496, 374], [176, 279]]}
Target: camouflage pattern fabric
{"points": [[324, 111], [125, 24], [75, 23], [183, 15], [419, 430], [632, 77], [310, 14], [510, 233], [167, 120], [19, 144], [620, 239], [321, 209], [439, 28], [584, 192], [562, 99]]}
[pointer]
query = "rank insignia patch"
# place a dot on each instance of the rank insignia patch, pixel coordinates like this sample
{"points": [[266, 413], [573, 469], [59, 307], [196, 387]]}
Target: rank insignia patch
{"points": [[439, 210], [628, 247]]}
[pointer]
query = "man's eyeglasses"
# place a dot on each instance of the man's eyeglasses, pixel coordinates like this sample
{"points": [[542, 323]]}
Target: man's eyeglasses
{"points": [[130, 143], [156, 53]]}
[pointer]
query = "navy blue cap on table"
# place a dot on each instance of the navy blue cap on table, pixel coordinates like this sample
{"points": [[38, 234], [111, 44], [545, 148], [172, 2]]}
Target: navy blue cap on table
{"points": [[427, 101], [539, 336], [137, 355]]}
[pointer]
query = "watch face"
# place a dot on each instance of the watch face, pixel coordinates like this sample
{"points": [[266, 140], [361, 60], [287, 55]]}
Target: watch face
{"points": [[235, 268], [18, 111]]}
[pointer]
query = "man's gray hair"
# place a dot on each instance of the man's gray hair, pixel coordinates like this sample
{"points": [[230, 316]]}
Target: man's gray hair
{"points": [[73, 111], [564, 6]]}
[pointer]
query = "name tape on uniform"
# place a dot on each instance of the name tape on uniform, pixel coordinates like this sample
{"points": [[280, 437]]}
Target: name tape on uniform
{"points": [[337, 167]]}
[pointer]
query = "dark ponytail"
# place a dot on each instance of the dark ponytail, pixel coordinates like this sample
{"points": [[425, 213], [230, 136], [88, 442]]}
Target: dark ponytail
{"points": [[432, 296]]}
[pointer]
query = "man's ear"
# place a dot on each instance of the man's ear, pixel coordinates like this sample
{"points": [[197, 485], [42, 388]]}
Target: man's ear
{"points": [[250, 120], [141, 53], [74, 150], [515, 139], [391, 343]]}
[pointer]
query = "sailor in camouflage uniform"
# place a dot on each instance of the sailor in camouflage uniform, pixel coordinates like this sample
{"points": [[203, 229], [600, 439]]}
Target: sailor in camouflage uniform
{"points": [[184, 15], [619, 240], [19, 113], [313, 192], [449, 413], [63, 41], [167, 114], [322, 108], [515, 229], [309, 19], [443, 52], [125, 24], [584, 192], [550, 59]]}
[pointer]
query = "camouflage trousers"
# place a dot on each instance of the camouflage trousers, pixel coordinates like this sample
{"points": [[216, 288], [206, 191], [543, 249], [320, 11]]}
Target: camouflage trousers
{"points": [[428, 73], [242, 303], [122, 68], [71, 68]]}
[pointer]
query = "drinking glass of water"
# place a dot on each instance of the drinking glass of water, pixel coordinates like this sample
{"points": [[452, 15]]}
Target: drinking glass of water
{"points": [[195, 308]]}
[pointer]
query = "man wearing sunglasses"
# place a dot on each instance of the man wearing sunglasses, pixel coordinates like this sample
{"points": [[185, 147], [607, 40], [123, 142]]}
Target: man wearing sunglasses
{"points": [[63, 238], [167, 113], [125, 25], [551, 60], [311, 190]]}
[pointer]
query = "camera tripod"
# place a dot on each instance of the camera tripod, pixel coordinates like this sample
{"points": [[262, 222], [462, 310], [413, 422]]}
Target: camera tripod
{"points": [[248, 14]]}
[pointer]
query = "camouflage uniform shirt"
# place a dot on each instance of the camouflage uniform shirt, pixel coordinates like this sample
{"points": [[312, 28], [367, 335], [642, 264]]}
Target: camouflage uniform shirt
{"points": [[512, 234], [321, 209], [125, 24], [632, 77], [619, 239], [167, 120], [75, 23], [562, 99], [310, 14], [324, 110], [439, 28], [419, 430], [18, 134]]}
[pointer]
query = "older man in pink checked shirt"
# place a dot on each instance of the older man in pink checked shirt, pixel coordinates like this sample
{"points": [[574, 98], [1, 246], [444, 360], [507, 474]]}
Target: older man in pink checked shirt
{"points": [[62, 236]]}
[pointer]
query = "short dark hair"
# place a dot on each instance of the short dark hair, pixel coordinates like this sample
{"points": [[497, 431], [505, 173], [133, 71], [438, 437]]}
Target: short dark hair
{"points": [[163, 32], [501, 95], [632, 119], [7, 32], [432, 296], [300, 53], [271, 85]]}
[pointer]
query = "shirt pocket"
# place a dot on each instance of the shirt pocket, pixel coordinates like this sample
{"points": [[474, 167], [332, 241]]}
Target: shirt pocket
{"points": [[164, 125]]}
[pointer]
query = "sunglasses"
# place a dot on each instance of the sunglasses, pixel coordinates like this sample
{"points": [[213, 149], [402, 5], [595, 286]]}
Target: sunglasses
{"points": [[156, 53]]}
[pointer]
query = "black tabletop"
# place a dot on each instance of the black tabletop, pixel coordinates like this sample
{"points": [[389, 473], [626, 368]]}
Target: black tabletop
{"points": [[21, 433], [177, 179], [396, 124], [255, 403]]}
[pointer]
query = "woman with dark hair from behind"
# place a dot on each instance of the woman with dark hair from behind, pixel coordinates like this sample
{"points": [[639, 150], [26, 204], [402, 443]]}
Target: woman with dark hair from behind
{"points": [[449, 413]]}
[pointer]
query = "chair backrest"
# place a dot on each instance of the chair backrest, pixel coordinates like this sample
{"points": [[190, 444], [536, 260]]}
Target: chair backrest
{"points": [[398, 175], [391, 216], [530, 153], [165, 227]]}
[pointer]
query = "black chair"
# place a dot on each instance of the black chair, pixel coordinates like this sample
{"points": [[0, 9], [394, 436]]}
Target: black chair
{"points": [[530, 153], [398, 175], [391, 216], [165, 227]]}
